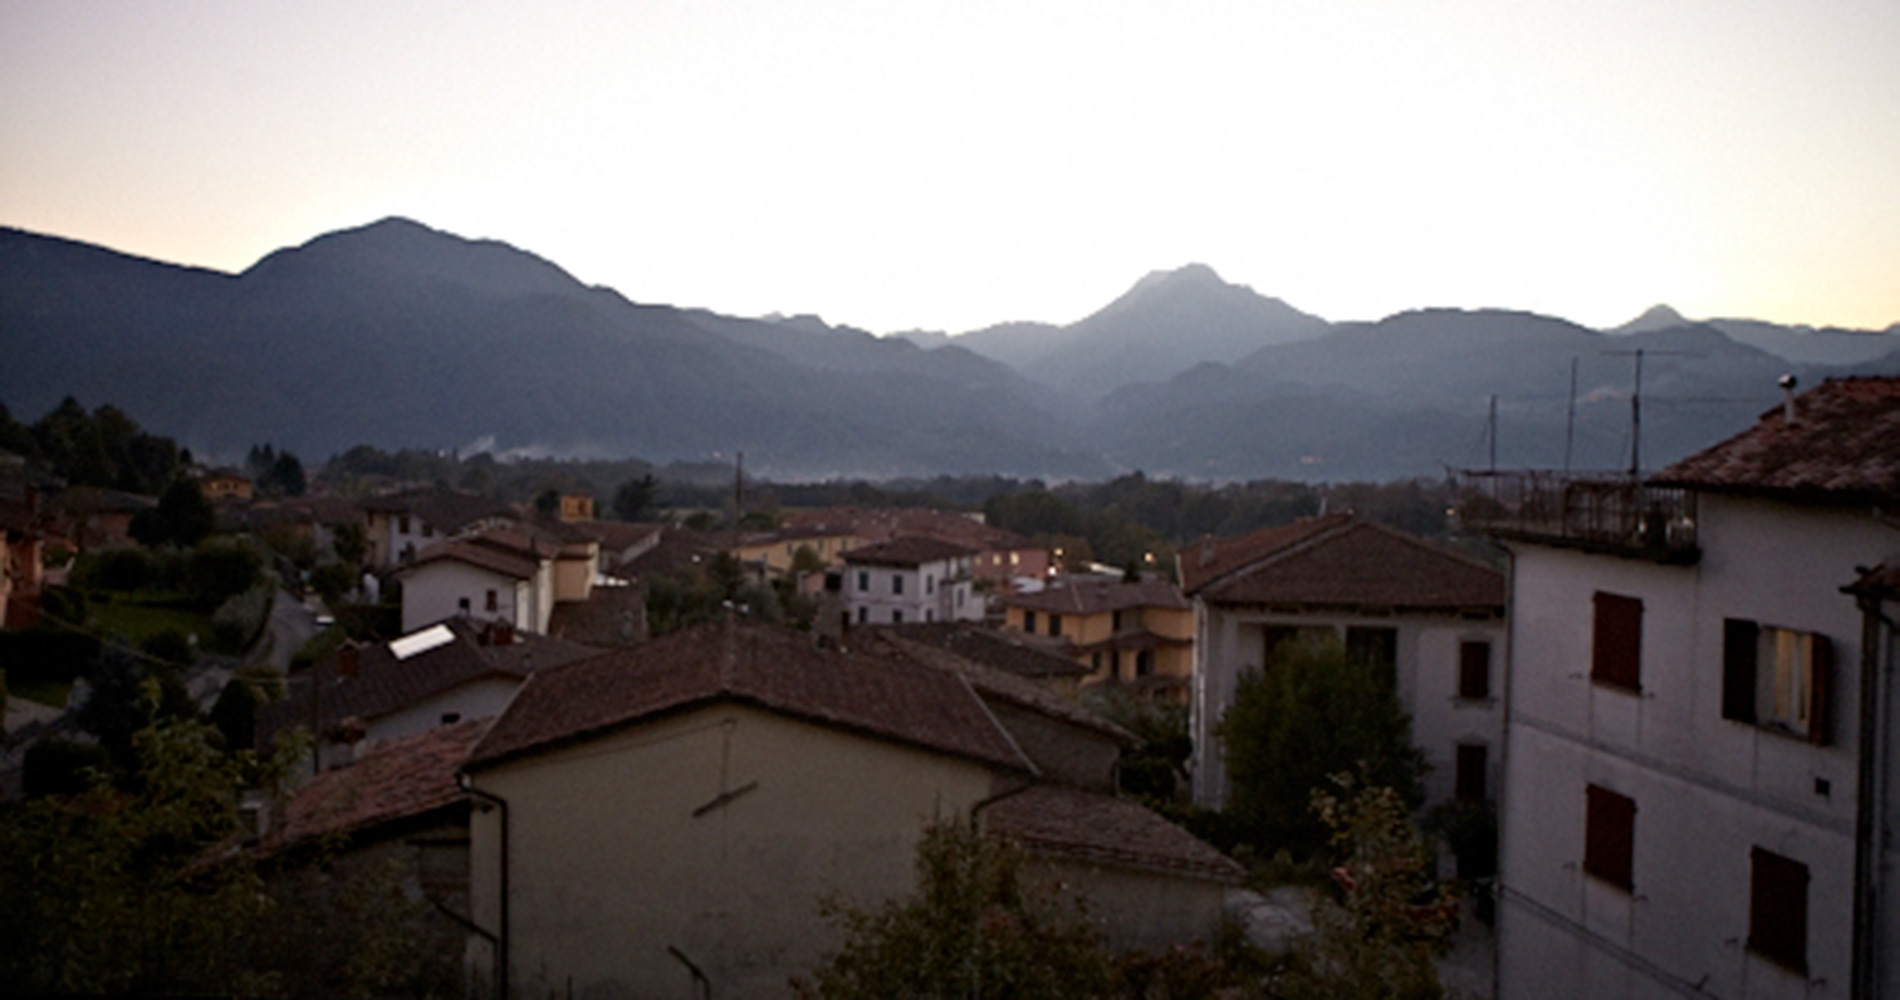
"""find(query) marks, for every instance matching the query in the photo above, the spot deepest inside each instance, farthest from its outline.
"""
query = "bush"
(122, 569)
(219, 570)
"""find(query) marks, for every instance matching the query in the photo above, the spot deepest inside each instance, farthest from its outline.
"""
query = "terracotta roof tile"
(910, 550)
(883, 524)
(772, 668)
(1212, 558)
(1342, 560)
(497, 559)
(1094, 597)
(1029, 657)
(1844, 444)
(990, 682)
(384, 684)
(1091, 827)
(395, 780)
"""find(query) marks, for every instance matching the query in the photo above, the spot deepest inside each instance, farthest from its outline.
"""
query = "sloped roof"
(445, 510)
(1844, 444)
(384, 683)
(775, 669)
(1881, 581)
(1094, 597)
(677, 551)
(990, 682)
(909, 551)
(1029, 657)
(883, 524)
(396, 780)
(1101, 829)
(1342, 560)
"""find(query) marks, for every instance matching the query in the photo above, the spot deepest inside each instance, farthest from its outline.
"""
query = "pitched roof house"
(1431, 616)
(1699, 791)
(1137, 633)
(909, 579)
(674, 812)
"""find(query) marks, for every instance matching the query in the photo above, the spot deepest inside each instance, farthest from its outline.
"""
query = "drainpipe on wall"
(501, 939)
(1870, 797)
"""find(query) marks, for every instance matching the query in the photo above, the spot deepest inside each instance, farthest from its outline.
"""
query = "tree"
(1315, 713)
(1375, 938)
(970, 930)
(634, 498)
(351, 544)
(183, 517)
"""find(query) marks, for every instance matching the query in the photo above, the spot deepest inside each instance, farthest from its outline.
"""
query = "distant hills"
(395, 335)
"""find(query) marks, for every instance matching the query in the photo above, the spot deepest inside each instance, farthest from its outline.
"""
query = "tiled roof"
(384, 684)
(1094, 597)
(80, 500)
(612, 615)
(883, 524)
(1881, 581)
(990, 682)
(396, 780)
(771, 668)
(1341, 560)
(1844, 444)
(908, 551)
(444, 510)
(619, 536)
(1025, 656)
(496, 559)
(678, 550)
(1091, 827)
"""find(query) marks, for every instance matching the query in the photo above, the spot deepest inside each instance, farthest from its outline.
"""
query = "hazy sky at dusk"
(947, 166)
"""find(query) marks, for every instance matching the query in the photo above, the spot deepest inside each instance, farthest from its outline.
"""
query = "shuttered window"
(1777, 678)
(1609, 842)
(1616, 651)
(1778, 909)
(1474, 670)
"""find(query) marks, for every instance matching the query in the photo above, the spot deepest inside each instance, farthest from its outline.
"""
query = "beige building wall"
(1133, 909)
(713, 833)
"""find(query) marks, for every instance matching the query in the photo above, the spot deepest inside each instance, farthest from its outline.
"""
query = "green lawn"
(139, 617)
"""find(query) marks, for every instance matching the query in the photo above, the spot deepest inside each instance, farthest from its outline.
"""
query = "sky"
(897, 166)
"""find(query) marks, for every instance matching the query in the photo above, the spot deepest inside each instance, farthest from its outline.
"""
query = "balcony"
(1611, 513)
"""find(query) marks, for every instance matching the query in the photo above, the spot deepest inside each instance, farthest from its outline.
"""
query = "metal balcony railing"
(1607, 512)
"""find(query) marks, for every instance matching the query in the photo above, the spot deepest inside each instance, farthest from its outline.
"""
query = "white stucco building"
(1683, 808)
(909, 579)
(1434, 617)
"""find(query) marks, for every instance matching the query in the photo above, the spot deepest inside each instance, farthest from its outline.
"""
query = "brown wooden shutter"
(1474, 670)
(1616, 652)
(1778, 909)
(1740, 641)
(1609, 842)
(1821, 690)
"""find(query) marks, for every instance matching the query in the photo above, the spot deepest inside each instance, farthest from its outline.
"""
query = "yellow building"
(1139, 634)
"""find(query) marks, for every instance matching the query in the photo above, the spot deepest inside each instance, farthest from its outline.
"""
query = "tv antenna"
(1636, 402)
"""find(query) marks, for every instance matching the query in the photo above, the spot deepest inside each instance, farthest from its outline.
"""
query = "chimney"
(1787, 383)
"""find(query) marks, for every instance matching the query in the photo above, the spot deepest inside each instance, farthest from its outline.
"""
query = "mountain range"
(398, 335)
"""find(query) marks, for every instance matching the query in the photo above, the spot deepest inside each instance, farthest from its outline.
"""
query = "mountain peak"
(1656, 317)
(401, 247)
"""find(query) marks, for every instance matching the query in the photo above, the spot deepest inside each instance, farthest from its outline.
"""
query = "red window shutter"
(1740, 640)
(1820, 719)
(1778, 909)
(1609, 843)
(1616, 652)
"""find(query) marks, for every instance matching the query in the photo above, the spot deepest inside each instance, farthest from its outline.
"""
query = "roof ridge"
(1343, 520)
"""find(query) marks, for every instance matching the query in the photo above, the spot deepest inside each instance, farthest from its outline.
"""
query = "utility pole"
(1636, 404)
(1570, 415)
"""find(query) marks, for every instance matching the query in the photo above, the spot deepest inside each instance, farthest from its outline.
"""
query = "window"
(1609, 840)
(1776, 678)
(1116, 623)
(1029, 622)
(492, 601)
(1474, 670)
(930, 584)
(1015, 558)
(864, 615)
(428, 530)
(1145, 663)
(1376, 646)
(402, 525)
(1616, 648)
(864, 581)
(897, 616)
(1055, 624)
(929, 615)
(1778, 909)
(462, 604)
(1473, 762)
(897, 583)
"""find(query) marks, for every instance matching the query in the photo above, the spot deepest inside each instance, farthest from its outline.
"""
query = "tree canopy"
(1315, 713)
